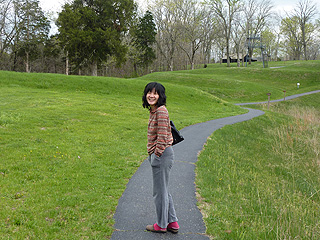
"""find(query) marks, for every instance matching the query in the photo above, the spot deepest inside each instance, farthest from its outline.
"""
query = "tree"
(144, 37)
(191, 26)
(52, 54)
(225, 11)
(166, 18)
(238, 36)
(6, 24)
(210, 31)
(304, 12)
(270, 40)
(257, 15)
(300, 31)
(292, 41)
(32, 29)
(220, 42)
(295, 39)
(6, 31)
(91, 31)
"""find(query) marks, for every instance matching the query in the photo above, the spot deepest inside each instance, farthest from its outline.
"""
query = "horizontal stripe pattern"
(159, 131)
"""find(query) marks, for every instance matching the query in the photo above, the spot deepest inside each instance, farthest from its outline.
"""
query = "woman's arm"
(163, 130)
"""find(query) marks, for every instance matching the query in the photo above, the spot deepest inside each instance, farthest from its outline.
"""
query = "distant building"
(233, 58)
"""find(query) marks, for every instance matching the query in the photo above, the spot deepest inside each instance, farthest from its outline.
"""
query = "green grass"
(70, 144)
(260, 179)
(251, 84)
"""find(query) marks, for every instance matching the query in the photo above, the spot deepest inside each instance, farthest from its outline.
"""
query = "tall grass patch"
(260, 179)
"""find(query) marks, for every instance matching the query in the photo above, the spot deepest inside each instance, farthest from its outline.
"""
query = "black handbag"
(177, 137)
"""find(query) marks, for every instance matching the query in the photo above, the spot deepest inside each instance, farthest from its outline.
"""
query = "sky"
(54, 6)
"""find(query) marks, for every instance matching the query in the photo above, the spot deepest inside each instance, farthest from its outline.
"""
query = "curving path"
(136, 209)
(279, 100)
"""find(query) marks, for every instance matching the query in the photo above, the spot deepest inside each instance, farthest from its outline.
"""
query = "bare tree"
(270, 39)
(314, 50)
(292, 37)
(305, 11)
(298, 29)
(257, 15)
(7, 26)
(220, 43)
(166, 19)
(209, 30)
(191, 27)
(225, 11)
(238, 36)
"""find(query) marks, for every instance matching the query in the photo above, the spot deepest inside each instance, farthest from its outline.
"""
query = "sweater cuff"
(157, 153)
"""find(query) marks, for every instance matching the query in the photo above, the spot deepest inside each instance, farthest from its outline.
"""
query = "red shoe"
(173, 227)
(156, 228)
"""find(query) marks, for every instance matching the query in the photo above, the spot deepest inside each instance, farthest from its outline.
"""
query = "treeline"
(115, 38)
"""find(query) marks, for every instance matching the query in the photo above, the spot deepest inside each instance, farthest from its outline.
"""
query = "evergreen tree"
(91, 31)
(52, 54)
(144, 37)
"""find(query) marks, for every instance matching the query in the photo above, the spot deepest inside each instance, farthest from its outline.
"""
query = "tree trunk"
(27, 62)
(238, 58)
(250, 55)
(135, 68)
(94, 69)
(192, 61)
(242, 62)
(228, 55)
(171, 64)
(67, 64)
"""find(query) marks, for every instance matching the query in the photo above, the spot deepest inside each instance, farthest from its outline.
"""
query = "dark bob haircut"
(160, 89)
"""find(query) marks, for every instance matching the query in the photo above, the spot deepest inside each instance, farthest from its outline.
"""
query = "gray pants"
(161, 167)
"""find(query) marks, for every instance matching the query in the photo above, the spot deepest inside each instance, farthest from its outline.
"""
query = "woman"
(160, 157)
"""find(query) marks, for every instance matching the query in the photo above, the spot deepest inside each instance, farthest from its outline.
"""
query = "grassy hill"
(249, 84)
(69, 144)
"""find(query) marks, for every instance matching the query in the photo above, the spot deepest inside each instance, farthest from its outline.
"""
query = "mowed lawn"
(249, 84)
(69, 145)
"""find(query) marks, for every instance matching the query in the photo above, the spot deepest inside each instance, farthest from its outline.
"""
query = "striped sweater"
(159, 131)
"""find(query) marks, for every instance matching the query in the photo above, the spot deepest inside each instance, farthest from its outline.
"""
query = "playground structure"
(256, 42)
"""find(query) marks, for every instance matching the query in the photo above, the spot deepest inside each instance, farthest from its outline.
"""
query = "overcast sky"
(55, 5)
(279, 6)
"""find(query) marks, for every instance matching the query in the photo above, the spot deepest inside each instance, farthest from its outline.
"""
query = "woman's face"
(152, 98)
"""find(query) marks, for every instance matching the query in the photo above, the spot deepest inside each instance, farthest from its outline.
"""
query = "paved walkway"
(279, 100)
(136, 208)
